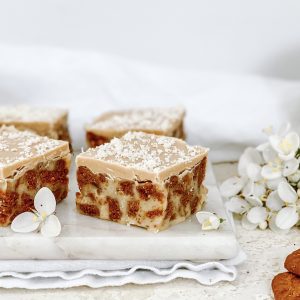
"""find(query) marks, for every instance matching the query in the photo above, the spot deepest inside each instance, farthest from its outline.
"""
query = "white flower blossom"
(209, 220)
(266, 193)
(278, 168)
(42, 217)
(285, 146)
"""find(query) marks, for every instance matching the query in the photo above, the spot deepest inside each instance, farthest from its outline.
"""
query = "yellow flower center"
(285, 145)
(43, 216)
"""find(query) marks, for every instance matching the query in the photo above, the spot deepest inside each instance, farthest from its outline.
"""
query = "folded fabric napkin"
(33, 274)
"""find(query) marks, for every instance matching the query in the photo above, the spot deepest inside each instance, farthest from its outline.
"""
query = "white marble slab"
(84, 237)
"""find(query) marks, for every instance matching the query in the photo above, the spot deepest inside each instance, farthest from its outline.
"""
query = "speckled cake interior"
(50, 122)
(142, 179)
(160, 121)
(27, 163)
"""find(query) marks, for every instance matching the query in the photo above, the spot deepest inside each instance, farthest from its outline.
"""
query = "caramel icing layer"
(22, 150)
(141, 156)
(27, 114)
(151, 120)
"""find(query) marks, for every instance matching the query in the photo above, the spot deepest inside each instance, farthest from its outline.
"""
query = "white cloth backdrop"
(225, 112)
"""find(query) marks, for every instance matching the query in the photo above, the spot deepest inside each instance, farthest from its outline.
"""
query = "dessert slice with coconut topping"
(29, 162)
(166, 121)
(142, 179)
(50, 122)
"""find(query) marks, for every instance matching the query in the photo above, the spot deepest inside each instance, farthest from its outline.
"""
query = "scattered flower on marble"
(209, 220)
(267, 191)
(42, 218)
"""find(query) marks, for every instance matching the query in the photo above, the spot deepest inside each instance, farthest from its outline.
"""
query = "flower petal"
(284, 128)
(208, 220)
(290, 167)
(203, 215)
(285, 146)
(51, 226)
(215, 222)
(253, 171)
(259, 189)
(257, 215)
(287, 218)
(287, 157)
(250, 155)
(253, 201)
(25, 222)
(246, 224)
(237, 205)
(231, 187)
(253, 191)
(274, 202)
(274, 142)
(269, 154)
(273, 184)
(271, 173)
(262, 147)
(287, 193)
(274, 227)
(294, 140)
(248, 190)
(44, 202)
(295, 177)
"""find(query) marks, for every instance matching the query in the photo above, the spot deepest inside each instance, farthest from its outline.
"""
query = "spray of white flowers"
(267, 191)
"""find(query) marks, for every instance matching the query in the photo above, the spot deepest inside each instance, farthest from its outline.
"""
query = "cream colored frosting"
(21, 150)
(142, 156)
(152, 120)
(27, 114)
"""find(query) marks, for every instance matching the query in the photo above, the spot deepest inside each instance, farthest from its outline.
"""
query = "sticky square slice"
(29, 162)
(142, 179)
(160, 121)
(50, 122)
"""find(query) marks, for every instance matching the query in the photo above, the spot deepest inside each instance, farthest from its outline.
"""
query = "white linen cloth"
(33, 274)
(225, 112)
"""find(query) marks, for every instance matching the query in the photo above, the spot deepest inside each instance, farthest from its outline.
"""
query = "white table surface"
(266, 253)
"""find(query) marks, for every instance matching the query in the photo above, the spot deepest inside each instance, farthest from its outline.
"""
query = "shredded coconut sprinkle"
(147, 152)
(18, 145)
(152, 119)
(23, 113)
